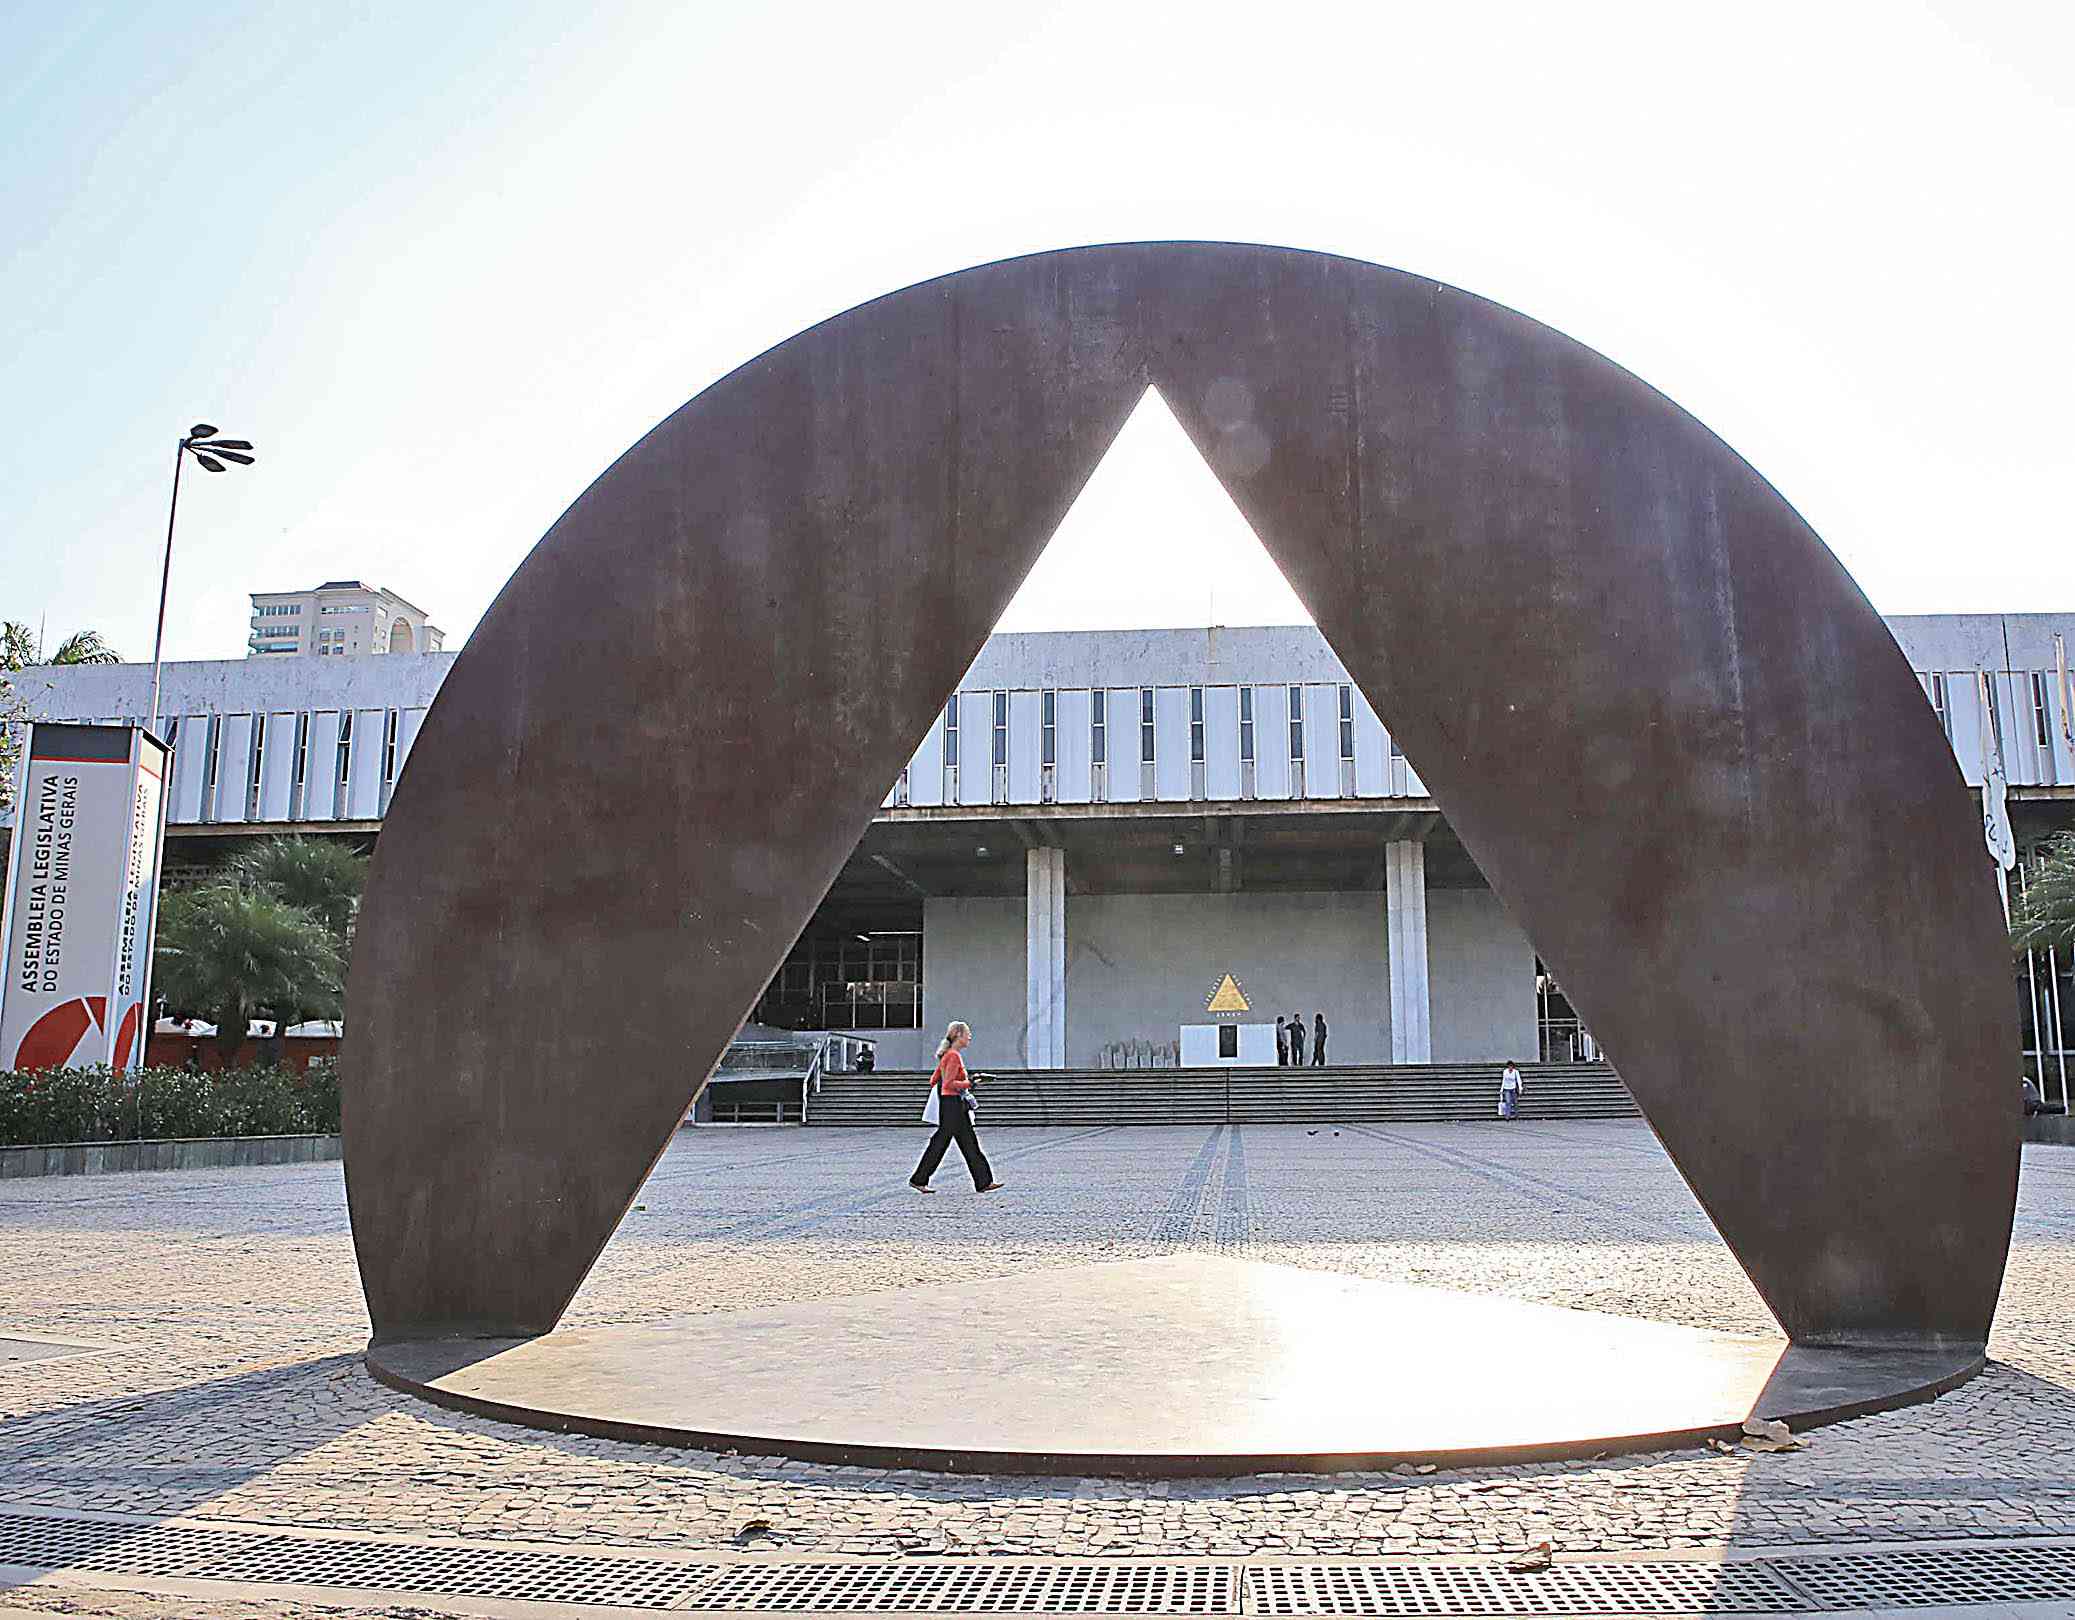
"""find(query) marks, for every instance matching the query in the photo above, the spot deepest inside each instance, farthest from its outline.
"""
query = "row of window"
(1148, 737)
(2035, 685)
(856, 981)
(1098, 739)
(2032, 691)
(315, 783)
(278, 610)
(2037, 688)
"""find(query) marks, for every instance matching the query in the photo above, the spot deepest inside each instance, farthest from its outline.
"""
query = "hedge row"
(100, 1105)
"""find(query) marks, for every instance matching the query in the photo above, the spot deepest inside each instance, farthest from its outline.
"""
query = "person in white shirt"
(1509, 1091)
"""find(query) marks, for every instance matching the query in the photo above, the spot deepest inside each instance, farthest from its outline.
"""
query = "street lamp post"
(202, 443)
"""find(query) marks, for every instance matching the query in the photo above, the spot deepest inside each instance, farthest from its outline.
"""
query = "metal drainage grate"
(2008, 1573)
(486, 1572)
(123, 1549)
(1937, 1575)
(975, 1588)
(1479, 1589)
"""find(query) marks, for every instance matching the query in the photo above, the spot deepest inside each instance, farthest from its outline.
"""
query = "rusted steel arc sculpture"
(1674, 735)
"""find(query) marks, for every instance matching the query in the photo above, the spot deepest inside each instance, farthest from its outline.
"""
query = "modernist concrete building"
(339, 618)
(1101, 827)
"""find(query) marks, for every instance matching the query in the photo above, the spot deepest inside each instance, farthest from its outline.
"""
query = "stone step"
(1349, 1095)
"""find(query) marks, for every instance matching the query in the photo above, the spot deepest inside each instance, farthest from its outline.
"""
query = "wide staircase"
(1378, 1094)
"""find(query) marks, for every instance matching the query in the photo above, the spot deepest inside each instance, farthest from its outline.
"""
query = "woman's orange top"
(950, 1076)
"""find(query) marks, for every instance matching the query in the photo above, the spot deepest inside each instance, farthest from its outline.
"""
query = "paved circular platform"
(1189, 1364)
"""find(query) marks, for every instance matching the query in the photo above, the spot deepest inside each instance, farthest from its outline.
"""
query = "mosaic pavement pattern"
(225, 1318)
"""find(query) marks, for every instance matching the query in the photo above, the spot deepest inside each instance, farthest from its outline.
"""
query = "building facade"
(340, 618)
(1101, 827)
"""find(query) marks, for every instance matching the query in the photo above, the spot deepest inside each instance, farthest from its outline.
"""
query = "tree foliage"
(85, 647)
(320, 875)
(17, 652)
(234, 954)
(19, 648)
(106, 1105)
(2044, 915)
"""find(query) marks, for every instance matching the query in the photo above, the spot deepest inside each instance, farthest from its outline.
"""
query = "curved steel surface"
(1674, 735)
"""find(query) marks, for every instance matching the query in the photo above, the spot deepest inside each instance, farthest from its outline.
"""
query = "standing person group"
(951, 1093)
(1289, 1041)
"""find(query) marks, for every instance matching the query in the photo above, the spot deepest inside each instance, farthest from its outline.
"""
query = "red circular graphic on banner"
(54, 1038)
(126, 1036)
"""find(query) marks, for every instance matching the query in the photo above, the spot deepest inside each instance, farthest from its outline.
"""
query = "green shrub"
(99, 1105)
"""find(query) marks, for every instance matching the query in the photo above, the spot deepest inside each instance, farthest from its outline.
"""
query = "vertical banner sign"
(137, 929)
(82, 897)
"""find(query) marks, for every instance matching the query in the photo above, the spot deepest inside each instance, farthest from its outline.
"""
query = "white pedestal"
(1255, 1046)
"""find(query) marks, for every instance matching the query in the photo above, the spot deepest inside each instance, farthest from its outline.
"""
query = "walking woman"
(954, 1095)
(1509, 1091)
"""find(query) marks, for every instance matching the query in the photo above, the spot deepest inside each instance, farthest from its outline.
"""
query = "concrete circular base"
(1185, 1365)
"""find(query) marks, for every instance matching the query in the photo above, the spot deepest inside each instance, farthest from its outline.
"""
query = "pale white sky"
(1199, 563)
(445, 263)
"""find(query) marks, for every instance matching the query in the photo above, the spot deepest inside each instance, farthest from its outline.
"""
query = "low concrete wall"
(189, 1153)
(2056, 1129)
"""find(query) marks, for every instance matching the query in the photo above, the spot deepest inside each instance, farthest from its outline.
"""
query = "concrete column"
(1405, 905)
(1044, 947)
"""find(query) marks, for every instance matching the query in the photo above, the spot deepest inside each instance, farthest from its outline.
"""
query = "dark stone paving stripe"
(1647, 1148)
(1520, 1181)
(1175, 1222)
(809, 1212)
(1235, 1220)
(791, 1220)
(835, 1209)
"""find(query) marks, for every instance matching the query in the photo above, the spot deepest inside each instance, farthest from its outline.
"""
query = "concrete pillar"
(1044, 947)
(1405, 905)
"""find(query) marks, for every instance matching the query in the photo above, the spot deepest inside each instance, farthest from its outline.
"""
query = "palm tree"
(322, 877)
(2044, 914)
(19, 648)
(234, 954)
(85, 647)
(17, 645)
(17, 652)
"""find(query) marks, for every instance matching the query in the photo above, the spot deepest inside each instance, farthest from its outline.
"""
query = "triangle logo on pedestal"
(1228, 998)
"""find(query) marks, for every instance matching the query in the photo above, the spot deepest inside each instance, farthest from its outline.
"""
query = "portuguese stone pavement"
(223, 1320)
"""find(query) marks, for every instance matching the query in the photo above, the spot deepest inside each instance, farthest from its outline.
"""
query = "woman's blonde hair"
(957, 1029)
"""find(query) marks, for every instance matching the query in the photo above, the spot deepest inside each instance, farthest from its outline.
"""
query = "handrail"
(810, 1082)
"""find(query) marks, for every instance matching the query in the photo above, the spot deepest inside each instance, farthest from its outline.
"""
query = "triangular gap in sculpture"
(1152, 541)
(1677, 740)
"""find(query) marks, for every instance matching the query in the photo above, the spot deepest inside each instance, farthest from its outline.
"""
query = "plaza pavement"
(226, 1384)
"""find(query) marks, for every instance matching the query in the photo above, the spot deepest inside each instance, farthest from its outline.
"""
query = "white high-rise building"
(339, 617)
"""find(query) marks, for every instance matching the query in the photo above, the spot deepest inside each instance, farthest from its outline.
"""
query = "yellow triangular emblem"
(1228, 997)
